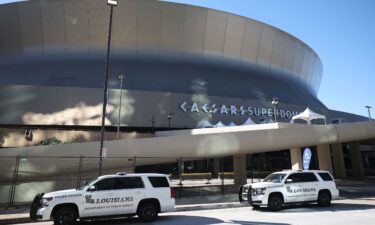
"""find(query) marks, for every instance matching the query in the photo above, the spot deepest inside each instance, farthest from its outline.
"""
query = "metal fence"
(22, 177)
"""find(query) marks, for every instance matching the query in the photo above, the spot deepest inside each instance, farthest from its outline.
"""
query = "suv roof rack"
(121, 173)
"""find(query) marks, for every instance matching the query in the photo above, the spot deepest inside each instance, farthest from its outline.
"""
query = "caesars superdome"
(190, 62)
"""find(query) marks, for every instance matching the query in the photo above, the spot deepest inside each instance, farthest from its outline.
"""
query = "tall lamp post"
(111, 3)
(275, 101)
(119, 110)
(369, 112)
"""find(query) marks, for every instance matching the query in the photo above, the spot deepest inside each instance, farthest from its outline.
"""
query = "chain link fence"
(25, 176)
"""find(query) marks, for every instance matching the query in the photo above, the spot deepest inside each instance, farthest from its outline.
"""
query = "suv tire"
(65, 216)
(324, 198)
(275, 202)
(148, 212)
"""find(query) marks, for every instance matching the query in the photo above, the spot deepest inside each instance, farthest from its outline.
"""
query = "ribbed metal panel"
(10, 30)
(234, 36)
(148, 27)
(31, 26)
(279, 50)
(124, 33)
(172, 27)
(76, 24)
(78, 29)
(53, 27)
(215, 34)
(251, 41)
(265, 46)
(97, 26)
(298, 60)
(194, 29)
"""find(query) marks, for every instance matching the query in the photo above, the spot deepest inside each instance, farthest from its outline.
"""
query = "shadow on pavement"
(165, 220)
(335, 207)
(256, 223)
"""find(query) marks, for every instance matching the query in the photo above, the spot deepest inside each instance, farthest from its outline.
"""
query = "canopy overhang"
(308, 115)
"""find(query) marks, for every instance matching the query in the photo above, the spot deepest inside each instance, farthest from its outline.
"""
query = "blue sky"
(341, 32)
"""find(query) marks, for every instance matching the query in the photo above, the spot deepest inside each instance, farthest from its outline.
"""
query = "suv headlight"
(46, 201)
(258, 191)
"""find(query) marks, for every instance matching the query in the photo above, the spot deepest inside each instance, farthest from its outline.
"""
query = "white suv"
(117, 195)
(291, 187)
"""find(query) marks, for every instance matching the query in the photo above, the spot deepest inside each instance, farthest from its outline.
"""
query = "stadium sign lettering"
(236, 110)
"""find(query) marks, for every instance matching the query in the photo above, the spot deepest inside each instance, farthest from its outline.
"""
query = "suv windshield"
(85, 183)
(275, 177)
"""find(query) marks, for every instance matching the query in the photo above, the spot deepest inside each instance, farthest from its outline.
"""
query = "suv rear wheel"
(65, 216)
(324, 198)
(275, 202)
(148, 212)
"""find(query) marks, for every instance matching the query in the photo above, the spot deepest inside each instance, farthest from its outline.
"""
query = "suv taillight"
(172, 192)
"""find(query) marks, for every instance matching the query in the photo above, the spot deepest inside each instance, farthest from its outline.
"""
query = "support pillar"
(296, 159)
(239, 169)
(324, 157)
(216, 168)
(338, 161)
(356, 157)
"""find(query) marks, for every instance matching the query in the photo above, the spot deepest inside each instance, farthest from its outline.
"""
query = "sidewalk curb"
(183, 208)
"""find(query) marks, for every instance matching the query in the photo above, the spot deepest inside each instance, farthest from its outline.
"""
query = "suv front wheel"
(275, 202)
(148, 212)
(65, 216)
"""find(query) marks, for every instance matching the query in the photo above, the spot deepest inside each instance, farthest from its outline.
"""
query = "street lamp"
(369, 112)
(275, 101)
(111, 3)
(169, 120)
(119, 110)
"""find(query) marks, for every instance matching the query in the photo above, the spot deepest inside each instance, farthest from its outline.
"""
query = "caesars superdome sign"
(241, 110)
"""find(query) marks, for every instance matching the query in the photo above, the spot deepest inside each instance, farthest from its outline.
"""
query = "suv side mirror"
(288, 181)
(91, 189)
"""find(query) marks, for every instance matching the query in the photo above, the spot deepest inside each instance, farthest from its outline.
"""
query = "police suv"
(117, 195)
(291, 187)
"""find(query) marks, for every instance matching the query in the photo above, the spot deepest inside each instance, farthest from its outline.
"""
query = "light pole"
(369, 112)
(111, 3)
(169, 120)
(275, 101)
(119, 110)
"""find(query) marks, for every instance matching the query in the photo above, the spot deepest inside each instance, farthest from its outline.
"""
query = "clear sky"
(342, 32)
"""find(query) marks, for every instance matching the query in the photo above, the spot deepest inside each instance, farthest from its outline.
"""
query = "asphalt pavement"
(356, 206)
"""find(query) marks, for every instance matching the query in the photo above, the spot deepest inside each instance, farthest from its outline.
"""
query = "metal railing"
(23, 177)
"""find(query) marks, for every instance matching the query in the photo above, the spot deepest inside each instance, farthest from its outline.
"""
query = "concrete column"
(324, 157)
(216, 167)
(296, 159)
(239, 169)
(338, 161)
(355, 155)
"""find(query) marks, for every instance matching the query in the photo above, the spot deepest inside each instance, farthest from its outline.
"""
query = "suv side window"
(325, 176)
(158, 182)
(302, 177)
(128, 183)
(308, 177)
(295, 177)
(105, 184)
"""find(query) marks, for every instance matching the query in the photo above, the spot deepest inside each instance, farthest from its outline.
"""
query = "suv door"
(96, 199)
(300, 187)
(113, 196)
(129, 192)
